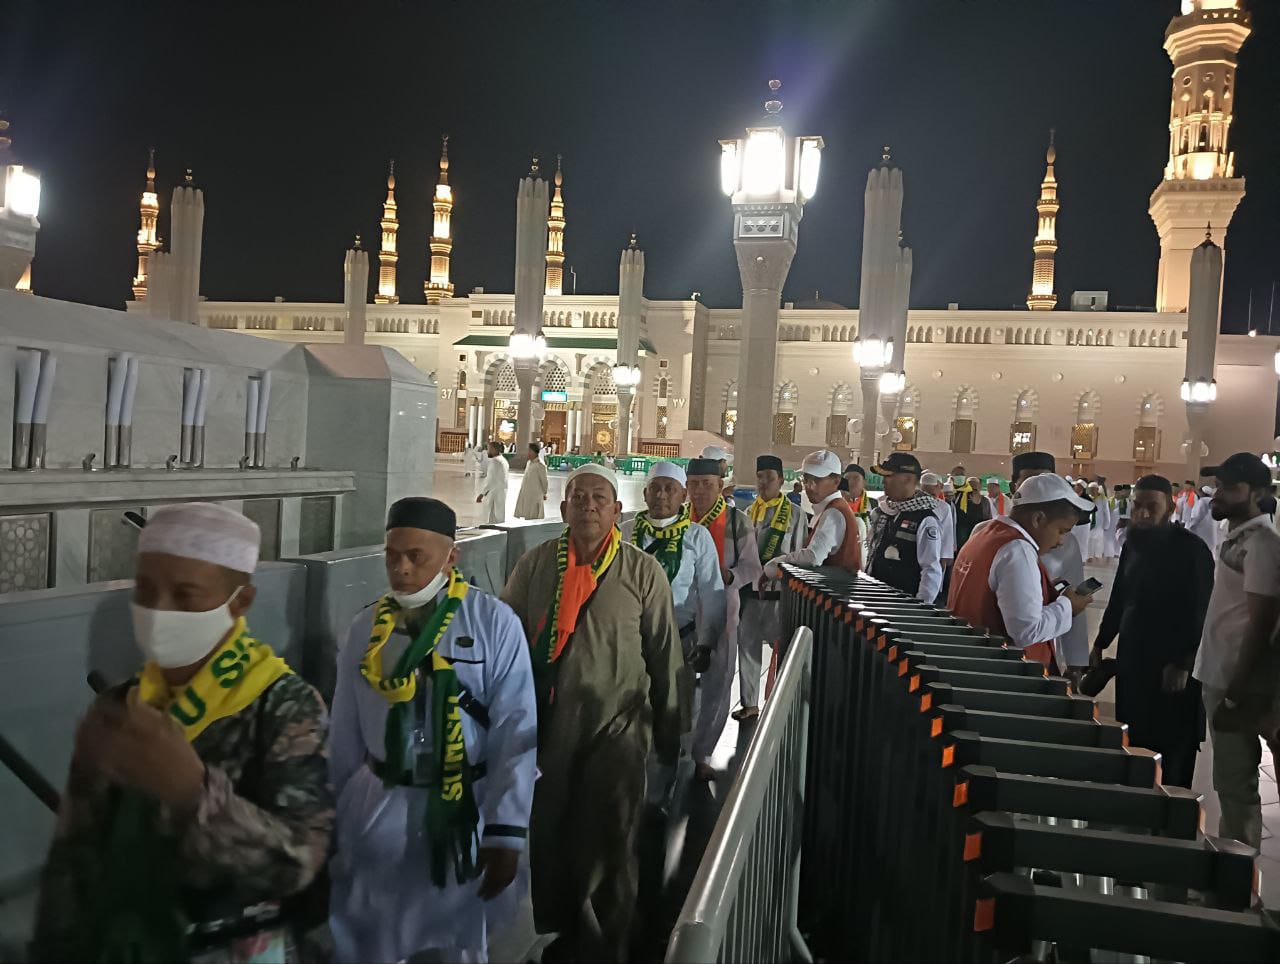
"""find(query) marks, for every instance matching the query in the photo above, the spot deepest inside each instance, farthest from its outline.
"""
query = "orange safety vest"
(971, 597)
(847, 555)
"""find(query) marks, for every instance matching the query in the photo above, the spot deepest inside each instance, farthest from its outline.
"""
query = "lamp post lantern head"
(19, 207)
(766, 166)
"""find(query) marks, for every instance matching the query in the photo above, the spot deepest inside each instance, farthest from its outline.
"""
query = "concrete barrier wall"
(51, 639)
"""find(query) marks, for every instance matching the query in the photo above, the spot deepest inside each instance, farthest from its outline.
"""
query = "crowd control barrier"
(962, 805)
(742, 904)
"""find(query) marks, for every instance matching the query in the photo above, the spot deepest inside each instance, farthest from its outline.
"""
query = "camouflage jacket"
(260, 833)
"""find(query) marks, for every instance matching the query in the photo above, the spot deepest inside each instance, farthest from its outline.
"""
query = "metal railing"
(742, 904)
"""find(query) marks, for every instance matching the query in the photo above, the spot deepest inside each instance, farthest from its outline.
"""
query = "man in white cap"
(833, 533)
(198, 789)
(999, 583)
(688, 556)
(1101, 520)
(606, 655)
(433, 753)
(735, 541)
(493, 488)
(780, 528)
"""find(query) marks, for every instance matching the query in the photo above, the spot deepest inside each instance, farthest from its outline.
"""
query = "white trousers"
(761, 623)
(715, 692)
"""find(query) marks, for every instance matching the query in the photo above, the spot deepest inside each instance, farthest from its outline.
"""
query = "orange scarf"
(715, 525)
(999, 501)
(577, 584)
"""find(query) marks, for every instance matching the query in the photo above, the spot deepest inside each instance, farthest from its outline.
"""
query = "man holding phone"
(1157, 608)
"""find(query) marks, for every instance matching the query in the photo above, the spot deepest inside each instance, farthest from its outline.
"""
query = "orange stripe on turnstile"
(972, 846)
(935, 726)
(892, 655)
(880, 644)
(948, 755)
(902, 668)
(984, 914)
(926, 701)
(848, 616)
(960, 795)
(914, 683)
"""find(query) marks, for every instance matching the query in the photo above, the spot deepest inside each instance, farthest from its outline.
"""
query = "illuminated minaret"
(555, 239)
(1199, 181)
(147, 241)
(438, 285)
(1045, 245)
(387, 257)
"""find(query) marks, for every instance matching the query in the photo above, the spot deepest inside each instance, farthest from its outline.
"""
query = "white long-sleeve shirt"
(1015, 579)
(929, 556)
(827, 530)
(946, 514)
(697, 589)
(496, 474)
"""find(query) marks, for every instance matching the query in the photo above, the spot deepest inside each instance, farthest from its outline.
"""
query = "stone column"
(531, 245)
(622, 439)
(630, 323)
(355, 276)
(1203, 314)
(763, 265)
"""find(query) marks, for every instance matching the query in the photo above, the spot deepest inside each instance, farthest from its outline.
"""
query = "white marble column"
(531, 245)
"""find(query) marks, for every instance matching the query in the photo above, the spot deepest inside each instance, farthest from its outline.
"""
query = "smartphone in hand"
(1088, 587)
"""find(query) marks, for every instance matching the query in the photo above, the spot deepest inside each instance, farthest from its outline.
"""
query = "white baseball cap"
(1049, 488)
(822, 463)
(930, 478)
(666, 470)
(593, 468)
(715, 452)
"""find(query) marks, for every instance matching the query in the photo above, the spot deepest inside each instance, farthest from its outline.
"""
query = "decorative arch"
(553, 376)
(842, 396)
(1026, 405)
(786, 398)
(730, 393)
(598, 380)
(965, 402)
(1150, 409)
(909, 401)
(1088, 406)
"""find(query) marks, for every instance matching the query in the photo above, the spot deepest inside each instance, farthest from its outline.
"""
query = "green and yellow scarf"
(138, 913)
(451, 808)
(667, 544)
(777, 527)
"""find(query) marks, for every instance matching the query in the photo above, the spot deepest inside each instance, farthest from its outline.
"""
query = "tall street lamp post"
(768, 176)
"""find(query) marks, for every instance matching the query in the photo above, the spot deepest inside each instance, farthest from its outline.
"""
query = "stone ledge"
(66, 488)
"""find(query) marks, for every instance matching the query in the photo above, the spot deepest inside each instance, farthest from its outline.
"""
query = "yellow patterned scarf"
(757, 513)
(239, 672)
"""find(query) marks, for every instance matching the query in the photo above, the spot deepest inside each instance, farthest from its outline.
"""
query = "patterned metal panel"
(266, 512)
(113, 544)
(24, 551)
(315, 525)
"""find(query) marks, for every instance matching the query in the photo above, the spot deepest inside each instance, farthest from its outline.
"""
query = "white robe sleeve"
(748, 568)
(929, 556)
(512, 739)
(346, 743)
(1015, 579)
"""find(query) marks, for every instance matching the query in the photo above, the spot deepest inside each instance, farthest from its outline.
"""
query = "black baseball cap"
(855, 467)
(1241, 467)
(898, 462)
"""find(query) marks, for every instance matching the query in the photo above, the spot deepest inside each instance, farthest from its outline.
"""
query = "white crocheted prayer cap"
(715, 452)
(204, 531)
(666, 470)
(593, 468)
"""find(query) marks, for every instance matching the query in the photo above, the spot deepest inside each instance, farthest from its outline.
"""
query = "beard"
(1145, 537)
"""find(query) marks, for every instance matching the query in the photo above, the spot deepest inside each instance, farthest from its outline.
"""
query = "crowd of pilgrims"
(481, 749)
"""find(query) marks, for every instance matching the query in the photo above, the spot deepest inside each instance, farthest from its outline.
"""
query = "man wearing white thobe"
(1201, 522)
(533, 487)
(385, 904)
(493, 490)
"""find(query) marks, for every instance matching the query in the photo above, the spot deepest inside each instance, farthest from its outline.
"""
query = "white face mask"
(412, 600)
(171, 639)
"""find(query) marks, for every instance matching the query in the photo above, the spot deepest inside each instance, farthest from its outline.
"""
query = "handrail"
(733, 910)
(31, 778)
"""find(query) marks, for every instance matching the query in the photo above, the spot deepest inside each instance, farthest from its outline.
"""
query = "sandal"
(746, 713)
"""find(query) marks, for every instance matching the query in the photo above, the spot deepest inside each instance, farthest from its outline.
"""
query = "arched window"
(964, 426)
(842, 396)
(784, 419)
(729, 411)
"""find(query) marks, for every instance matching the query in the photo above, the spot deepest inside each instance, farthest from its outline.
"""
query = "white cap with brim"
(930, 478)
(593, 468)
(822, 463)
(1040, 489)
(666, 470)
(205, 532)
(715, 452)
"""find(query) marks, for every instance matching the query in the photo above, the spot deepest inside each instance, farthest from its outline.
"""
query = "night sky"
(288, 116)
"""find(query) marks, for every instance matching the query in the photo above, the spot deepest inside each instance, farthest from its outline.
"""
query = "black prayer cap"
(419, 512)
(768, 463)
(1154, 483)
(1034, 462)
(703, 467)
(855, 467)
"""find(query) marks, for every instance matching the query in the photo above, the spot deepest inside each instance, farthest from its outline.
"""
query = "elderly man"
(198, 788)
(432, 752)
(905, 550)
(1000, 584)
(780, 529)
(1157, 608)
(833, 532)
(493, 488)
(997, 501)
(934, 485)
(688, 556)
(721, 457)
(606, 659)
(735, 539)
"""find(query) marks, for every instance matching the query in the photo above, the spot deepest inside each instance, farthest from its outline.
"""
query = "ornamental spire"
(555, 237)
(149, 212)
(438, 285)
(388, 257)
(1045, 245)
